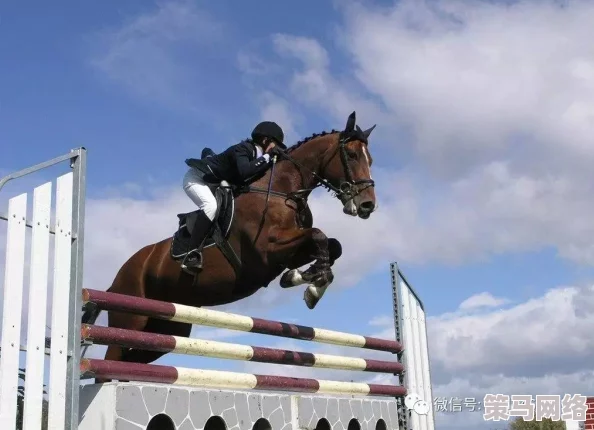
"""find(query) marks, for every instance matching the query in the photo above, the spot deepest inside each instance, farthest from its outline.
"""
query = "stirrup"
(195, 254)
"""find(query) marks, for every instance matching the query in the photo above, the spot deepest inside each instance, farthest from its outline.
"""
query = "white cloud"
(275, 108)
(312, 83)
(148, 55)
(477, 76)
(482, 300)
(545, 334)
(308, 50)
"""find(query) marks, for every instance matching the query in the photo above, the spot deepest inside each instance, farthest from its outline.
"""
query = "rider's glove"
(266, 157)
(276, 151)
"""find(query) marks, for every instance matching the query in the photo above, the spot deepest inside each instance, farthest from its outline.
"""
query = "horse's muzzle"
(363, 209)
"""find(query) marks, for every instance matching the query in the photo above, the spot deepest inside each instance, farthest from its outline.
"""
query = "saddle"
(219, 231)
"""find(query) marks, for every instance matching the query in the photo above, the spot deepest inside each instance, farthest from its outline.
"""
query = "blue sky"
(50, 80)
(482, 153)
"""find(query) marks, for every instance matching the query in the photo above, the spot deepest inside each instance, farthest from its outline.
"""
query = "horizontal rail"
(27, 171)
(231, 351)
(28, 223)
(192, 315)
(231, 380)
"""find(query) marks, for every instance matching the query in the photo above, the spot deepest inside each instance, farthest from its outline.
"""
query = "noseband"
(348, 188)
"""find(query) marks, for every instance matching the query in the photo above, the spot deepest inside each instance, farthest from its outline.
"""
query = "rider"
(240, 164)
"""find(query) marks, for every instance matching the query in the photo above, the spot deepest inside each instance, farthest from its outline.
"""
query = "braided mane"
(301, 142)
(307, 139)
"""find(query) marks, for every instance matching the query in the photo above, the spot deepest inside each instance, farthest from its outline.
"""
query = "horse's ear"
(368, 131)
(350, 125)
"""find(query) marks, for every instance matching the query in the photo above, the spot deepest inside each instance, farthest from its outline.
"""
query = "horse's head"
(347, 166)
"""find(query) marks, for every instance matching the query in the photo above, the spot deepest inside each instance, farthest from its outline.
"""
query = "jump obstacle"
(167, 397)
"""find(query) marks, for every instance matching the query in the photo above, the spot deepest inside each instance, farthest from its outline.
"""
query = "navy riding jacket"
(238, 164)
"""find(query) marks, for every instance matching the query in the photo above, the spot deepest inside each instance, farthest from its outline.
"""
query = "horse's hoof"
(310, 300)
(291, 278)
(313, 295)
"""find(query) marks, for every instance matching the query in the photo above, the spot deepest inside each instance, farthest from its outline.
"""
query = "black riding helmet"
(271, 130)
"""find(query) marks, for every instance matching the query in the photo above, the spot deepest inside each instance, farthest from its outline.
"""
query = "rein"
(268, 193)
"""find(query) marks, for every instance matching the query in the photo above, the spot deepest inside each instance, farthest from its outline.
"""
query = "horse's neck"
(291, 178)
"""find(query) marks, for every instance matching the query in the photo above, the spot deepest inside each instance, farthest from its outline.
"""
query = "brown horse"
(272, 232)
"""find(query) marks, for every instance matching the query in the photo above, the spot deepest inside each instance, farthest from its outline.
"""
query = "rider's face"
(270, 145)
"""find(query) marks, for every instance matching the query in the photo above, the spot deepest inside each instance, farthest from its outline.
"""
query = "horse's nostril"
(368, 206)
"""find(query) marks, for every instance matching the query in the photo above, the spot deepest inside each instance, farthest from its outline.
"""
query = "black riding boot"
(201, 228)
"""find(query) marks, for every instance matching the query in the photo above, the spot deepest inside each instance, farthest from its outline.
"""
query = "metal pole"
(79, 165)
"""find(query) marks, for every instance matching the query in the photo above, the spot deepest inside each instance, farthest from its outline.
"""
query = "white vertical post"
(411, 329)
(427, 387)
(415, 336)
(38, 285)
(11, 314)
(60, 311)
(411, 350)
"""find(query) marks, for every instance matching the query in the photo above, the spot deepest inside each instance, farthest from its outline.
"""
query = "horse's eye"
(352, 155)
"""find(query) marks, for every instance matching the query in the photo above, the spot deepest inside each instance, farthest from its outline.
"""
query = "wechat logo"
(415, 403)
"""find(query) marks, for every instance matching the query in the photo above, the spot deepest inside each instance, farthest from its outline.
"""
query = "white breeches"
(199, 192)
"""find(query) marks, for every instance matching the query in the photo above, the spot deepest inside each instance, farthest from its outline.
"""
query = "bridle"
(349, 185)
(346, 190)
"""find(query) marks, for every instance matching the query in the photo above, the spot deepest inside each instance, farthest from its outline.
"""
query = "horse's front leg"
(295, 248)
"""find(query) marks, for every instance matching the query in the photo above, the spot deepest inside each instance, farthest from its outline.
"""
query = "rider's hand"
(276, 150)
